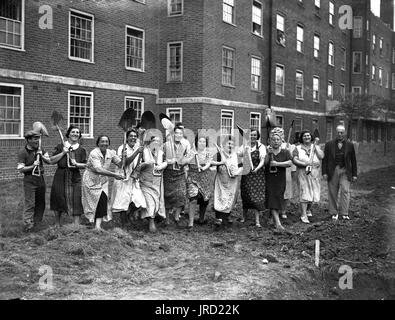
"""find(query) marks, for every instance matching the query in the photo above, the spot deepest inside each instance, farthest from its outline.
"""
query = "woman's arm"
(284, 164)
(320, 153)
(130, 159)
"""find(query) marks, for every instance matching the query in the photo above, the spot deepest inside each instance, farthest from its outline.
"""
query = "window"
(316, 88)
(357, 62)
(298, 124)
(81, 111)
(12, 24)
(331, 54)
(387, 80)
(255, 121)
(356, 90)
(329, 130)
(381, 46)
(228, 66)
(134, 49)
(380, 77)
(357, 29)
(11, 110)
(330, 89)
(367, 61)
(226, 122)
(257, 18)
(373, 72)
(137, 104)
(256, 73)
(393, 55)
(81, 41)
(342, 91)
(299, 38)
(317, 3)
(316, 46)
(344, 59)
(393, 81)
(279, 121)
(299, 84)
(280, 78)
(280, 30)
(374, 42)
(331, 12)
(228, 13)
(175, 114)
(175, 7)
(174, 61)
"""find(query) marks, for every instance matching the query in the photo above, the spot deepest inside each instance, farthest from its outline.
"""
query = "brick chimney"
(387, 12)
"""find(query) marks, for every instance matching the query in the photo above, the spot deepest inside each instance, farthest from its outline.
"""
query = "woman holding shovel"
(70, 157)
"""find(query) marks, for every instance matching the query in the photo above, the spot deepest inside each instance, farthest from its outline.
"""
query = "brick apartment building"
(207, 63)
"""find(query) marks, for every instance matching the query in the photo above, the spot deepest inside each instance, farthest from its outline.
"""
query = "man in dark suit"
(339, 168)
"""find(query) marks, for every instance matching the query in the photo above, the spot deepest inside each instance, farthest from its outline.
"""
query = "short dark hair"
(102, 136)
(71, 128)
(197, 138)
(130, 131)
(178, 127)
(257, 132)
(303, 133)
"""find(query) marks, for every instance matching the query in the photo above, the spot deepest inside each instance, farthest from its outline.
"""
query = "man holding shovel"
(29, 158)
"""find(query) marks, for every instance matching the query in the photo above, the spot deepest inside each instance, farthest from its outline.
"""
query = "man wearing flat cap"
(33, 185)
(339, 168)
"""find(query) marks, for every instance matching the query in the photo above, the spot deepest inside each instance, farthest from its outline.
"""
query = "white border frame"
(134, 98)
(355, 87)
(334, 53)
(331, 15)
(302, 97)
(260, 68)
(90, 136)
(233, 120)
(333, 89)
(344, 58)
(252, 22)
(234, 14)
(93, 36)
(21, 131)
(342, 85)
(362, 28)
(260, 119)
(353, 59)
(275, 83)
(174, 15)
(319, 88)
(234, 67)
(22, 48)
(168, 62)
(174, 108)
(126, 50)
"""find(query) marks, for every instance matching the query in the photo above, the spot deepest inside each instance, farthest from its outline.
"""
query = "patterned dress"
(95, 186)
(66, 184)
(253, 184)
(199, 183)
(276, 182)
(309, 185)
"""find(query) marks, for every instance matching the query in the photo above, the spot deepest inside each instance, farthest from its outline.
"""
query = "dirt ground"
(205, 264)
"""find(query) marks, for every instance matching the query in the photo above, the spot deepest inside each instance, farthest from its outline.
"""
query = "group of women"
(154, 180)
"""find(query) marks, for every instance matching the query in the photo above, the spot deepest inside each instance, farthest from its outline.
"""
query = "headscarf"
(280, 132)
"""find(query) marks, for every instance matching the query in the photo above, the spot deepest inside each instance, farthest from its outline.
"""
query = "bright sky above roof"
(375, 6)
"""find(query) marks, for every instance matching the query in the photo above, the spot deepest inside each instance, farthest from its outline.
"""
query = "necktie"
(339, 145)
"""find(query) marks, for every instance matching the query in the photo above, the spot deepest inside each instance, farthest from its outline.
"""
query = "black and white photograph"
(199, 154)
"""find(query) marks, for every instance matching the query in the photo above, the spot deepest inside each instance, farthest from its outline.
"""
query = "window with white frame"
(381, 46)
(298, 124)
(357, 28)
(380, 77)
(393, 81)
(279, 121)
(342, 91)
(299, 83)
(228, 11)
(11, 110)
(174, 61)
(228, 66)
(373, 42)
(357, 62)
(257, 18)
(137, 104)
(175, 114)
(299, 38)
(81, 41)
(331, 12)
(256, 73)
(280, 78)
(280, 26)
(316, 46)
(331, 54)
(255, 121)
(373, 72)
(316, 88)
(81, 111)
(329, 130)
(330, 89)
(344, 59)
(12, 24)
(175, 7)
(367, 61)
(356, 90)
(227, 122)
(135, 49)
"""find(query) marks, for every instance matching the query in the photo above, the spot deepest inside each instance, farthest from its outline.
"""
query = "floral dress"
(199, 183)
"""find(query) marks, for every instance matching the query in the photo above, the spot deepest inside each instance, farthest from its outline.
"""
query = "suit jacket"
(329, 163)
